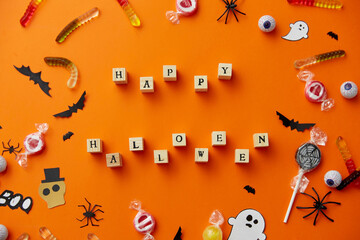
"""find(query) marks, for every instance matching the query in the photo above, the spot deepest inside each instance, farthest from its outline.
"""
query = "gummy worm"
(318, 58)
(33, 5)
(134, 19)
(66, 63)
(332, 4)
(77, 22)
(349, 179)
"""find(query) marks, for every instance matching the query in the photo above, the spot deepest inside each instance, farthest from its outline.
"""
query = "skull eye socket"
(46, 191)
(56, 188)
(256, 221)
(249, 218)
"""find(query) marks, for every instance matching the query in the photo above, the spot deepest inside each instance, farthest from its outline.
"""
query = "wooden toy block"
(218, 138)
(94, 145)
(201, 83)
(201, 155)
(261, 140)
(136, 144)
(179, 139)
(161, 156)
(169, 72)
(120, 76)
(241, 155)
(113, 160)
(225, 71)
(147, 84)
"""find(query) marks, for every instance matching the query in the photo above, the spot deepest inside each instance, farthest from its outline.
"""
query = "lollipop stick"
(301, 173)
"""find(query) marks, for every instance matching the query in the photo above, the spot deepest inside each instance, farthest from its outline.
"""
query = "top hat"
(52, 175)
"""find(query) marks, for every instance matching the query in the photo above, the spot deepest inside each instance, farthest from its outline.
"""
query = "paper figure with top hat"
(52, 189)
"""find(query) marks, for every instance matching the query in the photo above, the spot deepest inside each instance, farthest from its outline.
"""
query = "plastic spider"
(230, 6)
(318, 205)
(11, 149)
(90, 214)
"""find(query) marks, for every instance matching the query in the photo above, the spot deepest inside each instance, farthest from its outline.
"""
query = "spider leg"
(87, 223)
(83, 207)
(317, 214)
(222, 14)
(309, 214)
(305, 207)
(5, 151)
(9, 142)
(239, 11)
(92, 224)
(309, 196)
(332, 202)
(234, 14)
(81, 219)
(89, 204)
(332, 220)
(98, 210)
(227, 15)
(318, 194)
(98, 219)
(325, 196)
(18, 150)
(226, 2)
(92, 210)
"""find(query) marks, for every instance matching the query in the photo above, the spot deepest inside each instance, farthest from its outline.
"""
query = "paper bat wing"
(73, 108)
(35, 77)
(80, 103)
(178, 234)
(303, 126)
(285, 120)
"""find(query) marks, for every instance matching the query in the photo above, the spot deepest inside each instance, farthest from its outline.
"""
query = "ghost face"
(53, 193)
(249, 224)
(299, 30)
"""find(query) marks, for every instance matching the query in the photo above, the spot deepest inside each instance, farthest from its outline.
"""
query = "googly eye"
(349, 90)
(46, 191)
(267, 23)
(332, 178)
(56, 188)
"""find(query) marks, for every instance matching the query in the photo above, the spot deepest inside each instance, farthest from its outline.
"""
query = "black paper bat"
(249, 189)
(36, 77)
(300, 127)
(333, 35)
(178, 234)
(73, 108)
(67, 135)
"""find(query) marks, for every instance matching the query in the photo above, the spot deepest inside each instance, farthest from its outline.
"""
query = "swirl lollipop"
(308, 157)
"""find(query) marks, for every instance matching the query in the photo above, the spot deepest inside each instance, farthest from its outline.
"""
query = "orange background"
(180, 193)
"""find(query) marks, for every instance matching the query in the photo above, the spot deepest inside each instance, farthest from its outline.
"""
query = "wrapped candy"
(183, 7)
(308, 157)
(213, 232)
(315, 91)
(33, 143)
(144, 222)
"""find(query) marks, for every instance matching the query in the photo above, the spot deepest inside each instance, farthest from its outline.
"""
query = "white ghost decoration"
(248, 225)
(299, 30)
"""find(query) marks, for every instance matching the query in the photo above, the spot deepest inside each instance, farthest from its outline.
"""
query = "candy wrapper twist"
(308, 157)
(213, 232)
(144, 222)
(315, 91)
(33, 143)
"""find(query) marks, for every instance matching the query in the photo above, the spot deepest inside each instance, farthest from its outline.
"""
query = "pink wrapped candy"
(33, 143)
(183, 7)
(144, 222)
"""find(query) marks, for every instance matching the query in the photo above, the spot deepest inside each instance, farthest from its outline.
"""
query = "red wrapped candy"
(315, 91)
(33, 143)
